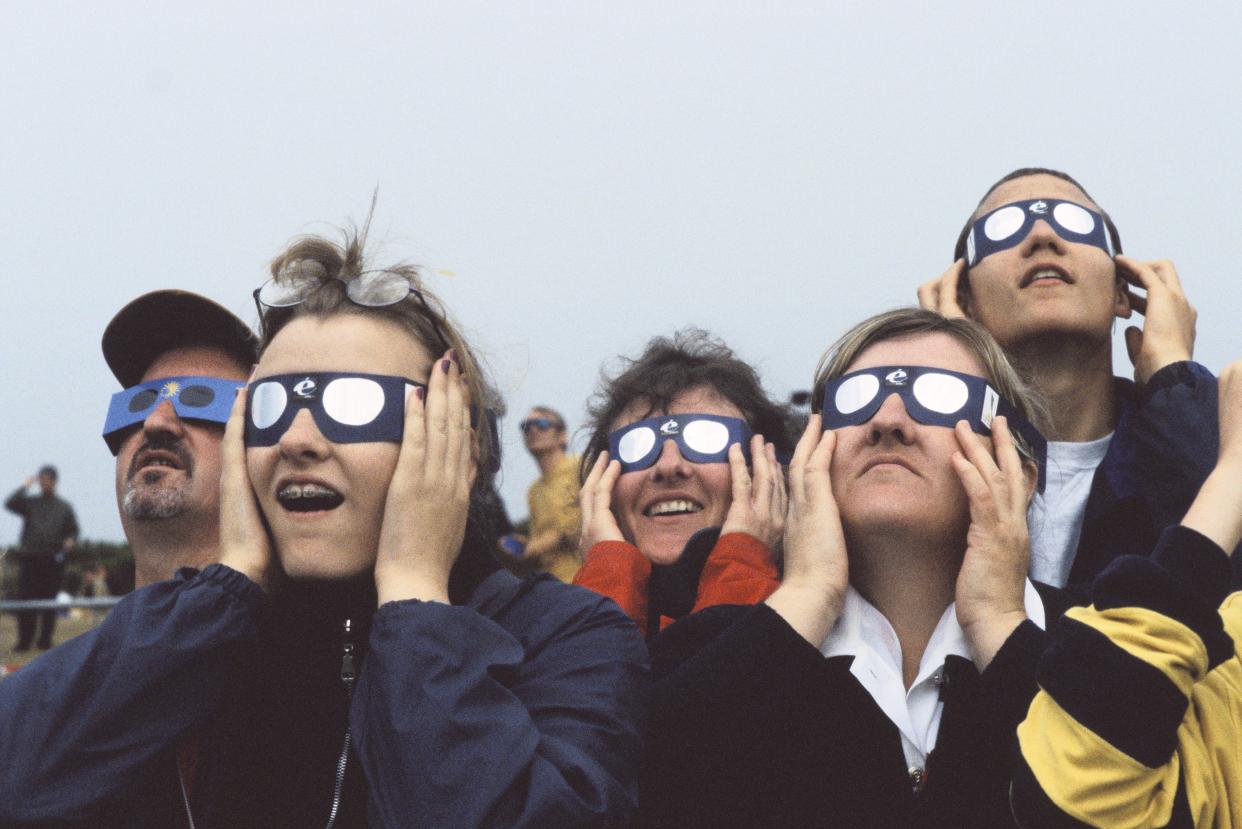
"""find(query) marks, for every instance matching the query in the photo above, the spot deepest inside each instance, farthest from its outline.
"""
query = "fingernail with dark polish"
(444, 365)
(453, 354)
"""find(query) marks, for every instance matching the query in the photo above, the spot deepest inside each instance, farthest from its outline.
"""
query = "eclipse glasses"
(193, 398)
(1006, 227)
(932, 396)
(701, 438)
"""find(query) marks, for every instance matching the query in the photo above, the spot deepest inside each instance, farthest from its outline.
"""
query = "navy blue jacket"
(520, 708)
(1164, 445)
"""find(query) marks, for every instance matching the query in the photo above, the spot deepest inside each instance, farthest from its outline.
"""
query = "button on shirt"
(863, 633)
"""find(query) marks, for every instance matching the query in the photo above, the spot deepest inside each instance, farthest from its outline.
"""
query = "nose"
(891, 423)
(670, 465)
(1042, 238)
(302, 442)
(163, 421)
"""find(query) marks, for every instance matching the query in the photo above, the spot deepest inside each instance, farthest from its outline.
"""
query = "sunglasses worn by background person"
(932, 396)
(207, 399)
(1006, 227)
(543, 424)
(701, 438)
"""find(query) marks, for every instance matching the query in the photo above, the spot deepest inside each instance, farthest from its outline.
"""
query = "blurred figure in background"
(49, 532)
(552, 544)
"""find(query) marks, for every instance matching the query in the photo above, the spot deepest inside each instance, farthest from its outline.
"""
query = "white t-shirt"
(1055, 516)
(863, 633)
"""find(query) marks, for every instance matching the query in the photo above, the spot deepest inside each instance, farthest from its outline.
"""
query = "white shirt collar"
(865, 634)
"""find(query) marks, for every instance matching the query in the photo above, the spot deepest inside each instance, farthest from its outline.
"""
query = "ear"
(1030, 478)
(963, 294)
(1121, 298)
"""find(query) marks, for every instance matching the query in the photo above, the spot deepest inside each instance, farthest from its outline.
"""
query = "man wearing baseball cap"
(178, 357)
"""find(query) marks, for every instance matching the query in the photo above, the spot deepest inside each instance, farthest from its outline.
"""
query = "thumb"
(1134, 342)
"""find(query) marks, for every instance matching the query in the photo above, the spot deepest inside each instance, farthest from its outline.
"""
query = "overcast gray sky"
(594, 174)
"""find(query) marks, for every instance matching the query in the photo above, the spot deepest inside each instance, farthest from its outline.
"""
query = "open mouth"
(152, 463)
(1039, 274)
(677, 506)
(309, 498)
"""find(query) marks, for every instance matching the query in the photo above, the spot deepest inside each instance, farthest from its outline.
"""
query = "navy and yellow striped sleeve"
(1103, 743)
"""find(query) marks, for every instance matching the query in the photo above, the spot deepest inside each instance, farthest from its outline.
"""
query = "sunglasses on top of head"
(701, 438)
(932, 396)
(1006, 227)
(370, 289)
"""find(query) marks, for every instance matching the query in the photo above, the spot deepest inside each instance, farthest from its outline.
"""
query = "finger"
(466, 454)
(1137, 301)
(741, 484)
(974, 451)
(1010, 462)
(948, 306)
(414, 435)
(977, 492)
(780, 498)
(234, 478)
(1164, 269)
(929, 294)
(761, 475)
(586, 495)
(802, 453)
(455, 416)
(603, 492)
(1138, 273)
(1134, 342)
(817, 475)
(436, 412)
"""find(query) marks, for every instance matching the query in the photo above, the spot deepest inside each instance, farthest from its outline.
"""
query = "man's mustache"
(172, 446)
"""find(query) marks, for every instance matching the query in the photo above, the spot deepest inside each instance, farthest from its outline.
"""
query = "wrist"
(987, 633)
(400, 584)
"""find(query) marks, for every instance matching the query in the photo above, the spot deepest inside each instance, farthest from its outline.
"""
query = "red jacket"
(740, 569)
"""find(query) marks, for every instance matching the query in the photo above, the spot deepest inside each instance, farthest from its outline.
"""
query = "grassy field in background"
(78, 622)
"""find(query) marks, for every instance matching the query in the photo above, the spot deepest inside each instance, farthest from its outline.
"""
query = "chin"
(318, 562)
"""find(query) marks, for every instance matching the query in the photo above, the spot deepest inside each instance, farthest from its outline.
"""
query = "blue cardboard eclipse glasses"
(932, 396)
(1006, 227)
(701, 438)
(193, 398)
(347, 408)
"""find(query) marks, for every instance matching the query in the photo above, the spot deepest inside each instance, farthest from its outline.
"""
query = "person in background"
(555, 520)
(1139, 720)
(685, 502)
(1039, 265)
(49, 532)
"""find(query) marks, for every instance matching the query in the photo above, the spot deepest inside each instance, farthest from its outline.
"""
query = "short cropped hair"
(959, 250)
(905, 322)
(669, 367)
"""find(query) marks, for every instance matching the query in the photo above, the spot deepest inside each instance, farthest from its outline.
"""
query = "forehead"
(346, 343)
(936, 350)
(696, 400)
(1041, 186)
(196, 360)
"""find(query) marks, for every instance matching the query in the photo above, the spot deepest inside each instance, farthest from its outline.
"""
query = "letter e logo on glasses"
(305, 389)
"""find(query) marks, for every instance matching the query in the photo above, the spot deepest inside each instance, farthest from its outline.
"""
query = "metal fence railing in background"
(7, 606)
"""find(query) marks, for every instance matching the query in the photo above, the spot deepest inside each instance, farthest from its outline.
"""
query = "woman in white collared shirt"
(881, 683)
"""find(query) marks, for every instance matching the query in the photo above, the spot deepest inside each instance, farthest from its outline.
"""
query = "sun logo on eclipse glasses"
(171, 388)
(669, 427)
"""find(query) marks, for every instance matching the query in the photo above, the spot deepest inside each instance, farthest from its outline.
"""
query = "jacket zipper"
(349, 673)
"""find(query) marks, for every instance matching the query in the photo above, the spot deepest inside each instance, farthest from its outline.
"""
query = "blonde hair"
(906, 322)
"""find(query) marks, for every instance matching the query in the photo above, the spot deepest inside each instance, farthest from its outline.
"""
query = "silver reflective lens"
(635, 444)
(353, 401)
(856, 392)
(378, 288)
(706, 436)
(290, 291)
(941, 393)
(1074, 218)
(267, 404)
(1004, 223)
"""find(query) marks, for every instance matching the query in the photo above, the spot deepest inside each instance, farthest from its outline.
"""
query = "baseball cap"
(163, 320)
